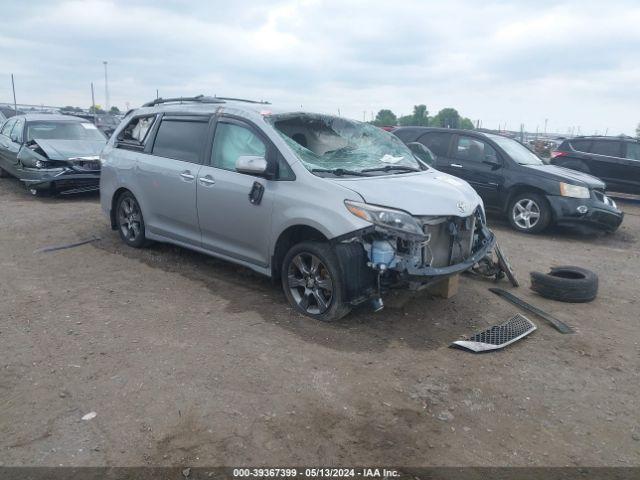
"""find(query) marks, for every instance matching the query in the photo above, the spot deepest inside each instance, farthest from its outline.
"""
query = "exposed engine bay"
(448, 245)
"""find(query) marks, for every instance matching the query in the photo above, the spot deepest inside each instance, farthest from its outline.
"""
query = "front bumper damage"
(447, 246)
(65, 180)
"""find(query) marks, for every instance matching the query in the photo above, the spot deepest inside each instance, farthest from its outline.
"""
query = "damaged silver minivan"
(339, 211)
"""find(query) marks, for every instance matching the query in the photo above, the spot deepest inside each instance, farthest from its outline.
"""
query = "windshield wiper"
(340, 172)
(389, 168)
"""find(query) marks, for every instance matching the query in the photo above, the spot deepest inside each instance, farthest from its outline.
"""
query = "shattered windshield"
(333, 145)
(49, 130)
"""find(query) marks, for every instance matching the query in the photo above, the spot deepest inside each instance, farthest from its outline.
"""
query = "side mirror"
(422, 152)
(494, 163)
(251, 164)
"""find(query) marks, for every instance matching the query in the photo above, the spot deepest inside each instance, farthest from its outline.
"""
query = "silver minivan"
(338, 210)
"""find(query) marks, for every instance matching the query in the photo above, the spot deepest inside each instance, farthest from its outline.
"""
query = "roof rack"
(202, 99)
(197, 98)
(231, 99)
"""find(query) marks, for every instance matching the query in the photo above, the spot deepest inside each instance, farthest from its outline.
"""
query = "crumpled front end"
(72, 175)
(446, 246)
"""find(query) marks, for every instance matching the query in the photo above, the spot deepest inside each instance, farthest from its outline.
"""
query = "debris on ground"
(89, 416)
(498, 336)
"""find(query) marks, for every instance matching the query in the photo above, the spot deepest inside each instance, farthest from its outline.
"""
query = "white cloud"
(572, 62)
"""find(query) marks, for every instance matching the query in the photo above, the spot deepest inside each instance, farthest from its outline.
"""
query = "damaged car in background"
(339, 211)
(51, 153)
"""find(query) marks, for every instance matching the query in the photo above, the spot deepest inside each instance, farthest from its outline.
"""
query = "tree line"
(445, 118)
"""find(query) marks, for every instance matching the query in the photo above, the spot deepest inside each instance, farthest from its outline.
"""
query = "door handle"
(187, 175)
(457, 165)
(207, 180)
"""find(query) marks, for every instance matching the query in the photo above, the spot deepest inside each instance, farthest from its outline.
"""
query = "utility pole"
(545, 126)
(106, 88)
(13, 86)
(93, 103)
(157, 94)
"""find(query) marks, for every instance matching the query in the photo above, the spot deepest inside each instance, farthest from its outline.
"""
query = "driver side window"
(473, 150)
(232, 141)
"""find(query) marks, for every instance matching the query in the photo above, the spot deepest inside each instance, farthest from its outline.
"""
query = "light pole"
(106, 88)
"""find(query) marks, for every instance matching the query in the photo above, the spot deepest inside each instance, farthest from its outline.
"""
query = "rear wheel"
(529, 212)
(129, 221)
(313, 283)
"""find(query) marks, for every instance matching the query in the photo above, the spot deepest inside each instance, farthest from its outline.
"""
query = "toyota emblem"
(461, 207)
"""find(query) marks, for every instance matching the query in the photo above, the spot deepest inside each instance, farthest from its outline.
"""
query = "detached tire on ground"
(566, 284)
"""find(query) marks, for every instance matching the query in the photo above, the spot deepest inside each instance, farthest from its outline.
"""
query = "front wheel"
(529, 213)
(313, 283)
(129, 221)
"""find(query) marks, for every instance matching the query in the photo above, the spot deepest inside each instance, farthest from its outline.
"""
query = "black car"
(51, 153)
(615, 160)
(512, 180)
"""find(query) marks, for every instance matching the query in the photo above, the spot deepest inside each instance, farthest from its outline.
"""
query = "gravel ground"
(186, 359)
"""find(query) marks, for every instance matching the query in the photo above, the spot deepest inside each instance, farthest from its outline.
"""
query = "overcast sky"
(575, 63)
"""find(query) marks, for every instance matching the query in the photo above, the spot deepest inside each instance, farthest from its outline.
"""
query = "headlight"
(385, 217)
(574, 191)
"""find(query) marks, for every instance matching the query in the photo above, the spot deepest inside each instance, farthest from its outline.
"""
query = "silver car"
(339, 211)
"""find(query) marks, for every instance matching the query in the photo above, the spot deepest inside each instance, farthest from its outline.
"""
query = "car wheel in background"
(529, 212)
(312, 281)
(130, 221)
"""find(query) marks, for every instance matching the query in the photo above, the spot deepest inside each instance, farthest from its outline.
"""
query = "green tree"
(385, 117)
(98, 109)
(466, 123)
(419, 117)
(114, 110)
(446, 118)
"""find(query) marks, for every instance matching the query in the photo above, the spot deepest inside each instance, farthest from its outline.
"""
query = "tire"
(129, 221)
(566, 284)
(529, 212)
(313, 283)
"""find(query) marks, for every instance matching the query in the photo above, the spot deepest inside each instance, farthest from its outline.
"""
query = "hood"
(567, 175)
(425, 193)
(65, 149)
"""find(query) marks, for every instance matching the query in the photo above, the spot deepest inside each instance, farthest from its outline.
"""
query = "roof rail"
(197, 98)
(231, 99)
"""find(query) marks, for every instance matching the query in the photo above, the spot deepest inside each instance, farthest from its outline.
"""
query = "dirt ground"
(188, 360)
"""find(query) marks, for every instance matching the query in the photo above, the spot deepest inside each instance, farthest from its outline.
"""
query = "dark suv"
(512, 180)
(615, 160)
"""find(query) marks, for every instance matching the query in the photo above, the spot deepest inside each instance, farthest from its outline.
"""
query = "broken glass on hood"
(336, 146)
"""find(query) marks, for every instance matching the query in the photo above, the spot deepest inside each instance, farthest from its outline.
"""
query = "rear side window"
(437, 142)
(606, 147)
(474, 150)
(233, 141)
(633, 151)
(136, 131)
(580, 145)
(181, 139)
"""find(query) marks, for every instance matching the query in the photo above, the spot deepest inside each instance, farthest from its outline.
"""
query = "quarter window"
(181, 139)
(16, 132)
(233, 141)
(580, 145)
(606, 147)
(473, 150)
(633, 151)
(136, 131)
(6, 128)
(437, 142)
